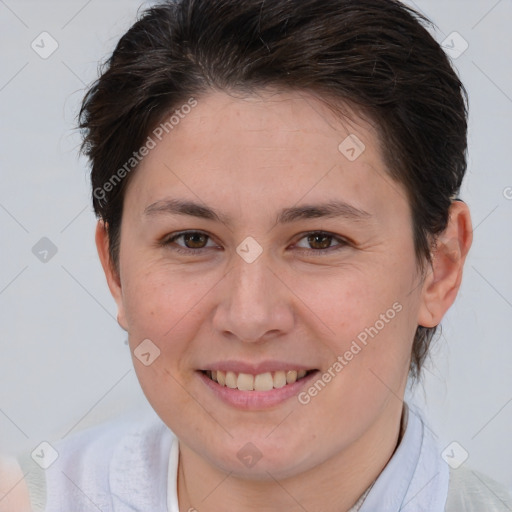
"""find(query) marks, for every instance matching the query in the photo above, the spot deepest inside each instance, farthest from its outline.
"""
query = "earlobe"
(444, 278)
(111, 274)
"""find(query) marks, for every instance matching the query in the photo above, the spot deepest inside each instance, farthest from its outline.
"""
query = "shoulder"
(99, 445)
(470, 490)
(13, 487)
(94, 462)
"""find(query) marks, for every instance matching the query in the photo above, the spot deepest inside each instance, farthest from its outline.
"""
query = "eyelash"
(186, 250)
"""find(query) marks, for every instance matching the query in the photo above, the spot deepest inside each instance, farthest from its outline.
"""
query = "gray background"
(64, 363)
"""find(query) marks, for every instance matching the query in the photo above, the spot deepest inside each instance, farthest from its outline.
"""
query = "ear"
(111, 273)
(443, 280)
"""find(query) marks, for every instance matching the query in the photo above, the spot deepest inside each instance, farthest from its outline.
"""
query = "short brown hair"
(375, 55)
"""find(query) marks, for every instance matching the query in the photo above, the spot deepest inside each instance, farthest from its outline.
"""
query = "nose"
(254, 304)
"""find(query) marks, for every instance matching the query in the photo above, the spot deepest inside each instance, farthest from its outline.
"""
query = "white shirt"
(413, 480)
(130, 465)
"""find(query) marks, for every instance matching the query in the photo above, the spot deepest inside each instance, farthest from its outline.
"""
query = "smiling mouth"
(260, 382)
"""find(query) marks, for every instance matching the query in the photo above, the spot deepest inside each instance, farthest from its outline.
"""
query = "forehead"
(267, 146)
(271, 121)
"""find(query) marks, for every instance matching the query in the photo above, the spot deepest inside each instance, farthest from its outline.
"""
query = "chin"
(260, 459)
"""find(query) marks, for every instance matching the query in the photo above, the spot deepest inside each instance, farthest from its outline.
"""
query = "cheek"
(348, 300)
(370, 370)
(159, 308)
(371, 321)
(166, 305)
(152, 296)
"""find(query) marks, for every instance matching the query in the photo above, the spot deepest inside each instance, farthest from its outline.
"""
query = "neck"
(333, 486)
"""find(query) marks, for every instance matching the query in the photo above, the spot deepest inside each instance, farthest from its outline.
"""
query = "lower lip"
(254, 400)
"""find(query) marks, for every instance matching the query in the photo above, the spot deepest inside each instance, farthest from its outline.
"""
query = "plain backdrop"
(64, 363)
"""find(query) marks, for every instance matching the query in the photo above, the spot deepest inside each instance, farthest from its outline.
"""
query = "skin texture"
(248, 158)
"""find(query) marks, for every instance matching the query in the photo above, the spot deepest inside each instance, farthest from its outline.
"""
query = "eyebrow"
(331, 209)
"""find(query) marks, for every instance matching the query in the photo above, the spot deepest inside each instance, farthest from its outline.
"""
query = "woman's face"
(307, 264)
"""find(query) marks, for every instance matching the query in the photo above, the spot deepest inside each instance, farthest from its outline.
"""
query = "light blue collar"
(414, 480)
(416, 477)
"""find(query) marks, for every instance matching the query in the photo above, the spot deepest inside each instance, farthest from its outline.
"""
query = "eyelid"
(168, 239)
(342, 242)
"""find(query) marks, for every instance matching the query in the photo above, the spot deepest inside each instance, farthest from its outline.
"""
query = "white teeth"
(291, 376)
(279, 379)
(261, 382)
(231, 380)
(245, 382)
(221, 378)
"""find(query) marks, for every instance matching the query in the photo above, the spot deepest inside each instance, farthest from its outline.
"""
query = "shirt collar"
(416, 478)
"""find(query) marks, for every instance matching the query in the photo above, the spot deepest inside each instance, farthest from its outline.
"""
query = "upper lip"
(254, 368)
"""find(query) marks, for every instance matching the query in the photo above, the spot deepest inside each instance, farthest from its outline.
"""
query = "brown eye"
(319, 242)
(195, 240)
(192, 242)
